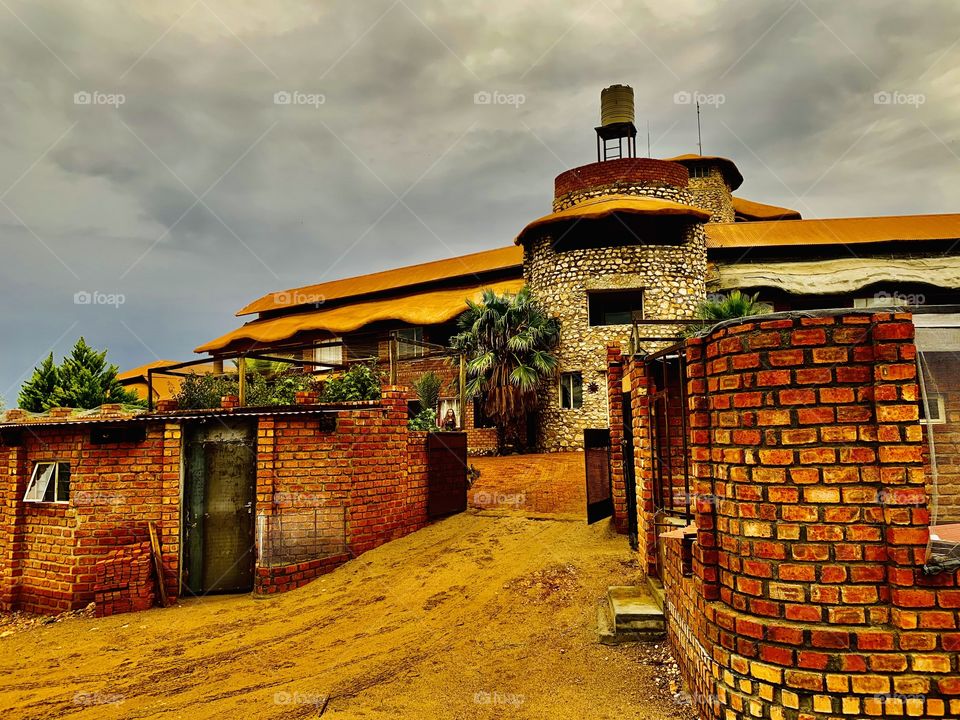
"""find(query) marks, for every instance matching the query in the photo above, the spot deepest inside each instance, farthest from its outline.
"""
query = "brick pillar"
(13, 487)
(636, 370)
(169, 528)
(615, 405)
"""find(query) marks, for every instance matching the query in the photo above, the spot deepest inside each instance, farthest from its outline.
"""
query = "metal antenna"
(648, 138)
(699, 135)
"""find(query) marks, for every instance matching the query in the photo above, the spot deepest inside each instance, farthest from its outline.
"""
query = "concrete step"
(629, 615)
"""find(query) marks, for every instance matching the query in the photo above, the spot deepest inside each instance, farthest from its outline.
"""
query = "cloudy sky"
(143, 152)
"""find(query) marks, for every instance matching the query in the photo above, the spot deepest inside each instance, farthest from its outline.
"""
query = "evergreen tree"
(37, 393)
(84, 380)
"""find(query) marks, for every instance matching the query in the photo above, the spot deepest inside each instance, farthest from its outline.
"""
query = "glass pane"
(565, 399)
(40, 483)
(63, 482)
(577, 382)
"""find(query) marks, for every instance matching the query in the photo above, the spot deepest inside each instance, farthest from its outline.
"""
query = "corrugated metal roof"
(606, 205)
(184, 415)
(833, 231)
(466, 266)
(425, 308)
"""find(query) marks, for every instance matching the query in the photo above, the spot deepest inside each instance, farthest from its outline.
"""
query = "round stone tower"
(712, 182)
(624, 247)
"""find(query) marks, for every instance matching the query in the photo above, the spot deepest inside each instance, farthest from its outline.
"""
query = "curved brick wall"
(630, 176)
(808, 598)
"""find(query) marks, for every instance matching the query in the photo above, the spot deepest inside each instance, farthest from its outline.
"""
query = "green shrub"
(423, 420)
(360, 382)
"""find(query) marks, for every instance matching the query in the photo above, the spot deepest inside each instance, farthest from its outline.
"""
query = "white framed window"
(445, 405)
(49, 483)
(330, 355)
(932, 412)
(571, 390)
(409, 341)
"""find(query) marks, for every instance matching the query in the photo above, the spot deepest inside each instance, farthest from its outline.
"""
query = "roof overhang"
(609, 205)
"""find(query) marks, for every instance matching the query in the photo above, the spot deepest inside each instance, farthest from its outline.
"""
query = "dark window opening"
(111, 435)
(480, 418)
(615, 307)
(571, 391)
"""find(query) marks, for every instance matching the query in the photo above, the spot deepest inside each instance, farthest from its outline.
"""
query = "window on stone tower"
(700, 171)
(571, 391)
(615, 307)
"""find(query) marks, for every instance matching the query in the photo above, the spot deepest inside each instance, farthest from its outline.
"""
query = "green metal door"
(219, 507)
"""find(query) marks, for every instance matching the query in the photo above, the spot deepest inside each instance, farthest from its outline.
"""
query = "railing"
(300, 535)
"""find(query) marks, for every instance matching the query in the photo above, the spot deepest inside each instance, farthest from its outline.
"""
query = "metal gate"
(596, 455)
(218, 512)
(447, 473)
(667, 398)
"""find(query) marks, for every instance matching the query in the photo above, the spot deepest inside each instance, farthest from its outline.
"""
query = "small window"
(329, 354)
(446, 405)
(480, 418)
(50, 482)
(571, 391)
(932, 411)
(615, 307)
(410, 342)
(700, 171)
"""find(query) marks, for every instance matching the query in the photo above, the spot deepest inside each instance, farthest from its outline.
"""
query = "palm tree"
(726, 307)
(508, 341)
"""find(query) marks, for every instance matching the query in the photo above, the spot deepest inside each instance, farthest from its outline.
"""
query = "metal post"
(394, 355)
(463, 391)
(242, 368)
(150, 390)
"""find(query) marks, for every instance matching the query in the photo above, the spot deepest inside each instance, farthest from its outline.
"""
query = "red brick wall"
(942, 370)
(49, 550)
(370, 465)
(625, 170)
(809, 600)
(615, 409)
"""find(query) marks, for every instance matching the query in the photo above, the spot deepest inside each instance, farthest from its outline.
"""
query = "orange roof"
(463, 266)
(727, 166)
(833, 231)
(753, 210)
(425, 308)
(609, 204)
(141, 371)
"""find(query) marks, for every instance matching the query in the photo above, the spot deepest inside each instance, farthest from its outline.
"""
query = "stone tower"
(624, 246)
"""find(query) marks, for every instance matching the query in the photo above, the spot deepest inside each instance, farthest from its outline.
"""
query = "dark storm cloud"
(199, 192)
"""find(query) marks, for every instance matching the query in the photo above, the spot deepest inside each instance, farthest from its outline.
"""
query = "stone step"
(629, 615)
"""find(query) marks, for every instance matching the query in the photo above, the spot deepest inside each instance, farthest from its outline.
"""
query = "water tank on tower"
(616, 124)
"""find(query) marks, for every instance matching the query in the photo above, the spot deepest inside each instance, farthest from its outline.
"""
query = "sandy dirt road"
(477, 616)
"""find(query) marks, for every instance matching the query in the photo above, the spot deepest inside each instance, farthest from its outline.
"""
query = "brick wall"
(808, 599)
(365, 481)
(625, 170)
(941, 372)
(49, 550)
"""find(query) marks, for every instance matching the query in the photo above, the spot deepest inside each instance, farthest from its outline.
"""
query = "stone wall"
(672, 279)
(807, 598)
(712, 193)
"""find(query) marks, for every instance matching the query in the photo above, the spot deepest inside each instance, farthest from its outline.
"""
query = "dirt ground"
(477, 616)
